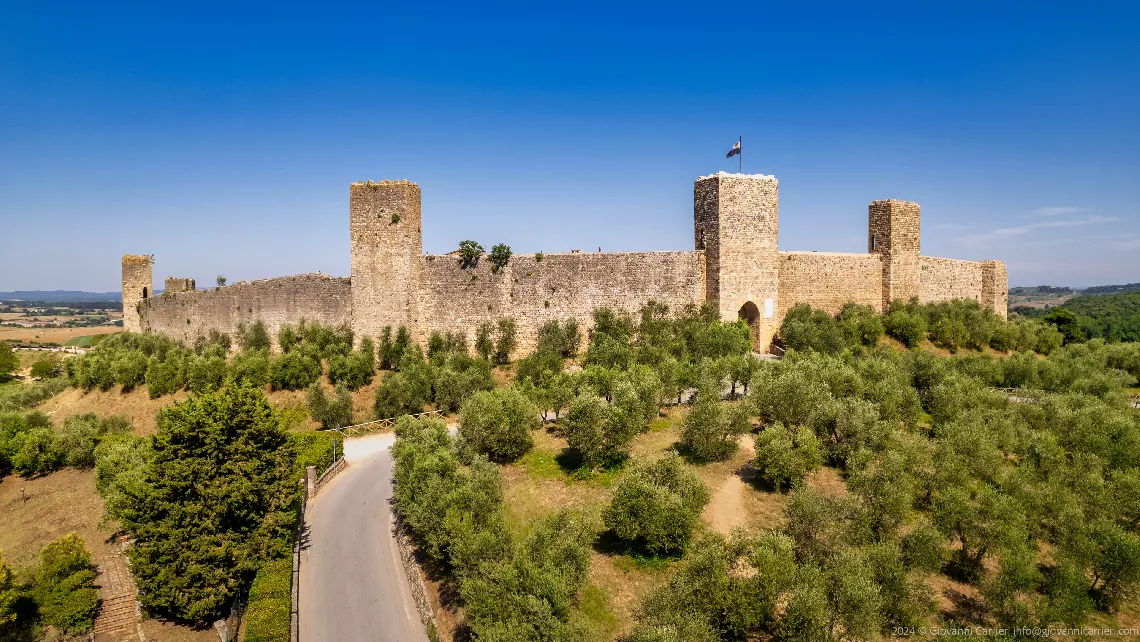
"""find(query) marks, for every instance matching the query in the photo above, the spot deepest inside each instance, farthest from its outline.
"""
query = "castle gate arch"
(750, 314)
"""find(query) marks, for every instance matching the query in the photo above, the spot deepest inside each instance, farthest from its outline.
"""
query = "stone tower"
(736, 219)
(137, 287)
(995, 288)
(385, 244)
(892, 231)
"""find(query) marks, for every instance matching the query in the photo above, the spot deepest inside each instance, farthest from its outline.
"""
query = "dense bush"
(331, 413)
(398, 394)
(80, 435)
(47, 368)
(523, 590)
(225, 451)
(293, 370)
(254, 336)
(497, 423)
(785, 456)
(206, 372)
(559, 337)
(657, 505)
(709, 430)
(268, 609)
(356, 369)
(250, 368)
(8, 360)
(65, 586)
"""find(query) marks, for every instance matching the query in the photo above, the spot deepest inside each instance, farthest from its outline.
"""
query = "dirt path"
(726, 510)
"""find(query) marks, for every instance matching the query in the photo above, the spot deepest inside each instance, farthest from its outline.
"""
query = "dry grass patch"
(135, 405)
(54, 335)
(60, 503)
(620, 586)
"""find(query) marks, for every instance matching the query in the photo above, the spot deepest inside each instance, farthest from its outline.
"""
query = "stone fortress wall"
(451, 297)
(735, 266)
(278, 301)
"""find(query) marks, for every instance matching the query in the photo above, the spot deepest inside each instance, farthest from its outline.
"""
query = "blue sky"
(223, 140)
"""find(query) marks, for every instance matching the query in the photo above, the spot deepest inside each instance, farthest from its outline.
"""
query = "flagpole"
(740, 156)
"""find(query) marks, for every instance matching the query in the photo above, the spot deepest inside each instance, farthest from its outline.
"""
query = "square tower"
(735, 222)
(893, 232)
(995, 288)
(137, 276)
(385, 244)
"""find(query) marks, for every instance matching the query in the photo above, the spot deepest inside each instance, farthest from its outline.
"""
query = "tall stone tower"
(995, 288)
(385, 241)
(736, 220)
(892, 231)
(137, 275)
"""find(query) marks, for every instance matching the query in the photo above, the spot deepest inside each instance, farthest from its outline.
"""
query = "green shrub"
(461, 377)
(860, 324)
(335, 412)
(709, 430)
(356, 369)
(250, 368)
(254, 336)
(77, 439)
(909, 328)
(65, 586)
(497, 423)
(293, 370)
(37, 453)
(269, 607)
(218, 497)
(398, 395)
(469, 253)
(212, 341)
(657, 505)
(948, 333)
(807, 329)
(505, 339)
(120, 468)
(598, 432)
(205, 374)
(785, 456)
(499, 257)
(166, 376)
(484, 341)
(8, 360)
(560, 338)
(47, 368)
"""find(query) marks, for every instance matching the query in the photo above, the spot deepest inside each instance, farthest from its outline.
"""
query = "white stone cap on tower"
(724, 174)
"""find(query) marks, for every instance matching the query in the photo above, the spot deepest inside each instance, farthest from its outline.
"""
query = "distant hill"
(55, 296)
(1111, 289)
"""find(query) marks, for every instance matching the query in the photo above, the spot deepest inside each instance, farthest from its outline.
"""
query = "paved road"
(352, 585)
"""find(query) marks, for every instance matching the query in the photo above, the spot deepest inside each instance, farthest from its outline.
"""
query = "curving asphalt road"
(352, 585)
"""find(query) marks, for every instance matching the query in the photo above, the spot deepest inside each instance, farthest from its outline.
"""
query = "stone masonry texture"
(174, 285)
(735, 266)
(278, 301)
(137, 287)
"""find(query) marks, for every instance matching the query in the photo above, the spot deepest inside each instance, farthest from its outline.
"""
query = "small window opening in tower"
(144, 293)
(873, 245)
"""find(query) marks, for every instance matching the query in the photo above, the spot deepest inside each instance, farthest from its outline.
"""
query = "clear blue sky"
(223, 140)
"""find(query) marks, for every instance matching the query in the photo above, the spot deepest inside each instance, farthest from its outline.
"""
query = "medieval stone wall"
(948, 279)
(278, 301)
(458, 299)
(829, 280)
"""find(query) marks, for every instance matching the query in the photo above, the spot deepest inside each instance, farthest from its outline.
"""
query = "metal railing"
(380, 424)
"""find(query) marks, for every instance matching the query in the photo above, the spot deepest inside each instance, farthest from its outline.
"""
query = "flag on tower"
(734, 151)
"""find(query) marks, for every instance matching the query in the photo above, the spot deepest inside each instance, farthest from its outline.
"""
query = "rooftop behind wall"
(277, 301)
